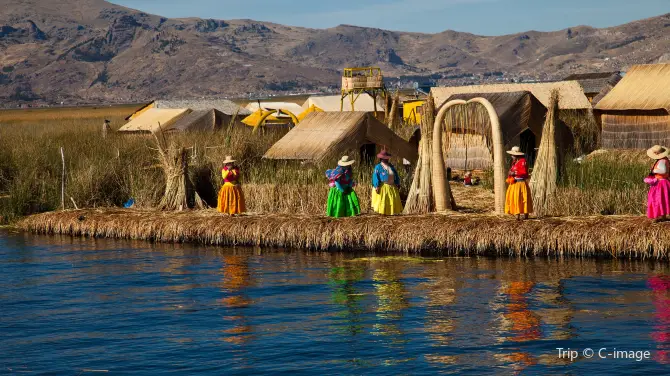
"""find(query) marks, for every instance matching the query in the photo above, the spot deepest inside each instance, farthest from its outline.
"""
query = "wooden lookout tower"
(356, 81)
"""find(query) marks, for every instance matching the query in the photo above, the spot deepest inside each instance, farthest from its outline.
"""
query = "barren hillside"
(92, 51)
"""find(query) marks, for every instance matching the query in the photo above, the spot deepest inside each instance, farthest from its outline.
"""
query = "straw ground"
(454, 234)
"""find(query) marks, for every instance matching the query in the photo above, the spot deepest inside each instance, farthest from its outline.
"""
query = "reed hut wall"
(635, 114)
(635, 129)
(323, 135)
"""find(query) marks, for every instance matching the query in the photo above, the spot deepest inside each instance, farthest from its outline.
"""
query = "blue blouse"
(342, 177)
(380, 175)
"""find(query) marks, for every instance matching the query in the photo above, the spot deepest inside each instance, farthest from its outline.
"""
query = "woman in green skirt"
(342, 200)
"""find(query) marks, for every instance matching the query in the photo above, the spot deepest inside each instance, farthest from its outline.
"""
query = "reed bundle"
(452, 234)
(392, 120)
(420, 198)
(545, 175)
(179, 192)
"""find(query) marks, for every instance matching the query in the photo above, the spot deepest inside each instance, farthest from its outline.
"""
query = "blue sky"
(485, 17)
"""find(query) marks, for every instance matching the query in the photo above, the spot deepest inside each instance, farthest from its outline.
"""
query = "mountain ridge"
(91, 51)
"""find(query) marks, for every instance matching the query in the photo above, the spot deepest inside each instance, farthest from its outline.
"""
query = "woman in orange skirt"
(518, 200)
(231, 198)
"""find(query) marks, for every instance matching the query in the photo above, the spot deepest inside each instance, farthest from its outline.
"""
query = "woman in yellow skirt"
(231, 198)
(385, 183)
(518, 200)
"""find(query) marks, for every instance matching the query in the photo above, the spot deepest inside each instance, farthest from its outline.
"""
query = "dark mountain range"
(92, 51)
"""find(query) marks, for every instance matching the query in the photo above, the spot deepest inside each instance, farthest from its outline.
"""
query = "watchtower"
(356, 81)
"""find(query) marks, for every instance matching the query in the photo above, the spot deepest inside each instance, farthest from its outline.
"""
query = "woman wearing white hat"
(231, 198)
(658, 198)
(518, 200)
(342, 200)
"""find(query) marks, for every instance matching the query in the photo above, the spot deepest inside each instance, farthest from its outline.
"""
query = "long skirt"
(387, 201)
(658, 199)
(341, 204)
(231, 199)
(518, 199)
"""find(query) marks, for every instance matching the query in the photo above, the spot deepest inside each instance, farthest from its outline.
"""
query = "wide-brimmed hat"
(384, 155)
(229, 159)
(345, 161)
(658, 152)
(515, 151)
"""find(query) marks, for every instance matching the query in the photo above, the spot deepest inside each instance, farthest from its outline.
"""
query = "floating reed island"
(436, 234)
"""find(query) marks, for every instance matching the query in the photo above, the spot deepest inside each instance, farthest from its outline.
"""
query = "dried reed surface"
(420, 197)
(545, 174)
(453, 234)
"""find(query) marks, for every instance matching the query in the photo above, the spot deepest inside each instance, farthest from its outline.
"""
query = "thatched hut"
(572, 95)
(200, 120)
(595, 85)
(154, 119)
(636, 113)
(521, 118)
(575, 108)
(226, 108)
(323, 135)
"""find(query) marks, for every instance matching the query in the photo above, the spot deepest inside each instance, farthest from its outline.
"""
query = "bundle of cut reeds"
(180, 192)
(545, 174)
(420, 198)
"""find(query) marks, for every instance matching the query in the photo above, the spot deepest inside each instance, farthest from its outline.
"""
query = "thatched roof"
(154, 119)
(201, 120)
(269, 106)
(517, 111)
(331, 103)
(645, 87)
(594, 83)
(572, 95)
(223, 105)
(328, 134)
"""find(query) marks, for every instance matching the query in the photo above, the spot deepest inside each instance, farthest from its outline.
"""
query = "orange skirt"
(231, 199)
(518, 199)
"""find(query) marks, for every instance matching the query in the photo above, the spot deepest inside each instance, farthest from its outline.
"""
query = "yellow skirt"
(387, 201)
(231, 199)
(518, 199)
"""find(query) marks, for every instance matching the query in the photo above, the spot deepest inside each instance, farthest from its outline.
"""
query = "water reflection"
(109, 305)
(660, 286)
(342, 280)
(391, 299)
(440, 290)
(236, 278)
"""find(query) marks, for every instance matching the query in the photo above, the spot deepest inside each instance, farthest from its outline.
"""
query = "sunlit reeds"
(453, 234)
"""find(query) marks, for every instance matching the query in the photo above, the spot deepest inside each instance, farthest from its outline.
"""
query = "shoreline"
(452, 234)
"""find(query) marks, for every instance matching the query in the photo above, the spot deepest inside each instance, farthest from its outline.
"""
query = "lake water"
(72, 307)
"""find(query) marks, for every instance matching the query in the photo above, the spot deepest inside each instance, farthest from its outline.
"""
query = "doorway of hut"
(527, 144)
(368, 153)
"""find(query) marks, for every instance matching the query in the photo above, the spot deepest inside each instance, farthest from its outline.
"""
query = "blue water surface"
(90, 307)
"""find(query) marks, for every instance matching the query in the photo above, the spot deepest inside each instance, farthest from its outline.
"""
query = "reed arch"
(267, 114)
(493, 135)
